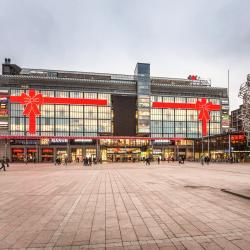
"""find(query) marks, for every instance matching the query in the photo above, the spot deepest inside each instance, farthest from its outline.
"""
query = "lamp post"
(229, 129)
(202, 145)
(193, 152)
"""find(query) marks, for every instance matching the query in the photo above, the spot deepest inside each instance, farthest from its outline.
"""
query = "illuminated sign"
(202, 106)
(44, 141)
(225, 121)
(33, 101)
(47, 150)
(4, 118)
(192, 77)
(58, 140)
(237, 137)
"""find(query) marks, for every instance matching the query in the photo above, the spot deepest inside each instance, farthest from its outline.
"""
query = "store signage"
(4, 109)
(44, 141)
(58, 140)
(83, 140)
(237, 137)
(33, 101)
(225, 121)
(32, 150)
(17, 150)
(47, 150)
(202, 106)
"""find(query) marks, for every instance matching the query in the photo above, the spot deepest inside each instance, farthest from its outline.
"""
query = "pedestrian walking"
(180, 159)
(147, 161)
(25, 160)
(208, 160)
(2, 165)
(202, 160)
(7, 161)
(66, 161)
(183, 159)
(159, 160)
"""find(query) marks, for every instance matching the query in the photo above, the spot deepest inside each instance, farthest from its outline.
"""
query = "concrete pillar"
(69, 152)
(54, 154)
(39, 158)
(97, 149)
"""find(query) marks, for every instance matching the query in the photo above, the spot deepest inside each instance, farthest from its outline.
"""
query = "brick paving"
(124, 206)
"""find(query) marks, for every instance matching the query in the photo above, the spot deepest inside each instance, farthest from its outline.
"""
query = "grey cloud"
(177, 37)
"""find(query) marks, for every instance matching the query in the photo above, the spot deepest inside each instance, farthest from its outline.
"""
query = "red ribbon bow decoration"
(203, 106)
(33, 101)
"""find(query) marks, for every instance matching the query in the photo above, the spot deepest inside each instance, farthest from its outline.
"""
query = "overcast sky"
(178, 38)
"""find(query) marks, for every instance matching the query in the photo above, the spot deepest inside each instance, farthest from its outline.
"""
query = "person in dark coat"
(159, 160)
(3, 165)
(7, 161)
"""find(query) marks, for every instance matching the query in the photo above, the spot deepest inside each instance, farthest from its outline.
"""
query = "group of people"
(88, 161)
(60, 161)
(4, 162)
(181, 159)
(205, 159)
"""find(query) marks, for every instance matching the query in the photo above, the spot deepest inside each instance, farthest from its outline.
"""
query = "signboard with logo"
(4, 115)
(225, 121)
(58, 141)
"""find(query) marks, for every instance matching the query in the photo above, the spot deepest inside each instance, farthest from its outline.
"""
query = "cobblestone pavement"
(124, 206)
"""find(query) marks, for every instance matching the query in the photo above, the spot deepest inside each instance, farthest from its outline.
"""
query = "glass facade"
(65, 120)
(80, 120)
(181, 123)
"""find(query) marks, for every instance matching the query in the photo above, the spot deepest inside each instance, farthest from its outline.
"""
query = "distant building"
(236, 120)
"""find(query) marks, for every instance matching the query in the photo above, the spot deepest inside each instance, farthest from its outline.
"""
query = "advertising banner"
(4, 115)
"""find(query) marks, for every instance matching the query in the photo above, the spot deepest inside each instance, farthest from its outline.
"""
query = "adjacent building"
(47, 114)
(236, 119)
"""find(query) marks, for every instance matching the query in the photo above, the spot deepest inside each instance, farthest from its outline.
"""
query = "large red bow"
(32, 101)
(205, 107)
(31, 109)
(202, 106)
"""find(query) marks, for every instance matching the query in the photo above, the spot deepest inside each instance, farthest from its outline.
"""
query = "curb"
(236, 194)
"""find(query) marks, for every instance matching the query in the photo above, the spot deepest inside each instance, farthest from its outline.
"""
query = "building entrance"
(31, 155)
(123, 154)
(76, 154)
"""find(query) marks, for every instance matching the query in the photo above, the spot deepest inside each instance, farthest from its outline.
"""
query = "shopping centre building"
(47, 114)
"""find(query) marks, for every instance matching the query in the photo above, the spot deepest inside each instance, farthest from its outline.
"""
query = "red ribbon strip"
(203, 106)
(34, 100)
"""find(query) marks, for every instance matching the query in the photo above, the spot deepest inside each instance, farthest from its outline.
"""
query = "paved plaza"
(124, 206)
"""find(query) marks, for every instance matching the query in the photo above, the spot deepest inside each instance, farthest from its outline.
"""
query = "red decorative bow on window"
(32, 103)
(34, 100)
(203, 106)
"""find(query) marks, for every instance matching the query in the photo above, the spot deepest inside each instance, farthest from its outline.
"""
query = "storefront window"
(17, 154)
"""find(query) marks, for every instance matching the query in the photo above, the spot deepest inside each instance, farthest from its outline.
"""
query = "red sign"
(47, 150)
(17, 150)
(34, 100)
(31, 150)
(237, 137)
(192, 77)
(202, 106)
